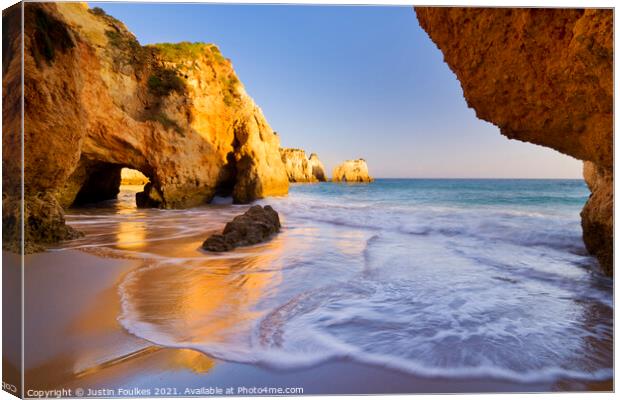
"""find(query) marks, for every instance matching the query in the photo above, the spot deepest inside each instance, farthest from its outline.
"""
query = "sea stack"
(544, 76)
(352, 171)
(300, 168)
(318, 170)
(97, 101)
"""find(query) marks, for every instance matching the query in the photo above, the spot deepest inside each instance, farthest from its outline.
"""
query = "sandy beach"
(74, 340)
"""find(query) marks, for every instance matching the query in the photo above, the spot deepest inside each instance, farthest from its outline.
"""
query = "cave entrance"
(133, 182)
(96, 182)
(133, 177)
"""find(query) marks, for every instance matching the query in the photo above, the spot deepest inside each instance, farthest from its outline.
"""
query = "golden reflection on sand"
(131, 235)
(192, 360)
(182, 295)
(202, 301)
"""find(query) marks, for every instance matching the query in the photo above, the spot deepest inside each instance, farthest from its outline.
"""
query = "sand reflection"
(200, 303)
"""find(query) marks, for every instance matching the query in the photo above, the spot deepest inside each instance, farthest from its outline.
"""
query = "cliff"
(300, 168)
(542, 76)
(97, 101)
(352, 171)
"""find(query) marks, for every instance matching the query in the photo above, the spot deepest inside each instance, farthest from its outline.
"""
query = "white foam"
(431, 290)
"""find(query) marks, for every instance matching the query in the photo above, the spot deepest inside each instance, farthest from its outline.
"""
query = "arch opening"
(96, 181)
(100, 182)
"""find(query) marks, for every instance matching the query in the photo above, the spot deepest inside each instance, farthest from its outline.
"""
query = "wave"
(435, 290)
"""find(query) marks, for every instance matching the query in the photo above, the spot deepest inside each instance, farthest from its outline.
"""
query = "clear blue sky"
(349, 82)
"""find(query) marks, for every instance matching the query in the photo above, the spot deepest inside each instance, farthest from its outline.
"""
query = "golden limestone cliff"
(352, 171)
(300, 168)
(97, 101)
(542, 76)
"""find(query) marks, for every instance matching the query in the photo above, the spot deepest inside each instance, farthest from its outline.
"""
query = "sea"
(449, 278)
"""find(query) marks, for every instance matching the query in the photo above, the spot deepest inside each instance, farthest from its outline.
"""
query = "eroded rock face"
(352, 171)
(254, 226)
(318, 169)
(300, 168)
(598, 213)
(542, 76)
(96, 100)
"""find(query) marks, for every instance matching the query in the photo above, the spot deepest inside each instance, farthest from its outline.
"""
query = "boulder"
(256, 225)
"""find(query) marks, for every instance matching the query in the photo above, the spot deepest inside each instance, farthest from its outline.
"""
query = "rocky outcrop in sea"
(352, 171)
(300, 168)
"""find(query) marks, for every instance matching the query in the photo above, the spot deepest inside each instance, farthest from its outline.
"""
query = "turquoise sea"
(433, 277)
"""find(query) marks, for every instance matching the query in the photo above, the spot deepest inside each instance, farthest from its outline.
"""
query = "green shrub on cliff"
(164, 81)
(179, 51)
(111, 21)
(123, 41)
(186, 51)
(230, 83)
(98, 11)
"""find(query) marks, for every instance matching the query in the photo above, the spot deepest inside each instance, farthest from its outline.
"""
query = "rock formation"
(542, 76)
(97, 101)
(133, 177)
(300, 168)
(318, 169)
(256, 225)
(352, 171)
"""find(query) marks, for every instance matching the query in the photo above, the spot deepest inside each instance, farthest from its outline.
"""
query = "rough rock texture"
(597, 215)
(256, 225)
(300, 168)
(543, 76)
(352, 171)
(133, 177)
(97, 101)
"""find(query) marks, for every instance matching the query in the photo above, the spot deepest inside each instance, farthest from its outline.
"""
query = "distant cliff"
(133, 177)
(543, 76)
(97, 101)
(300, 168)
(352, 171)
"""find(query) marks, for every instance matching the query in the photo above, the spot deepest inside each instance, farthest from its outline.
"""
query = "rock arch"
(542, 76)
(97, 101)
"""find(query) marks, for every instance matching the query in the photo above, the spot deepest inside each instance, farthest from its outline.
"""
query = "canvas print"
(232, 199)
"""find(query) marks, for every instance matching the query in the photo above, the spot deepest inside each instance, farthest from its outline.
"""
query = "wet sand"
(73, 340)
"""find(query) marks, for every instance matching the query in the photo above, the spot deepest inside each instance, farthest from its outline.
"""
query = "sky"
(351, 82)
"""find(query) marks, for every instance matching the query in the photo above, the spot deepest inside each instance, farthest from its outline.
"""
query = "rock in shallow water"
(256, 225)
(352, 171)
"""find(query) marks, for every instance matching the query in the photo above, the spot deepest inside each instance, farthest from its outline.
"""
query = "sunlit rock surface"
(97, 101)
(300, 168)
(352, 171)
(542, 76)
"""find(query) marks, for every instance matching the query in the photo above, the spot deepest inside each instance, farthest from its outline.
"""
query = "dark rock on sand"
(256, 225)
